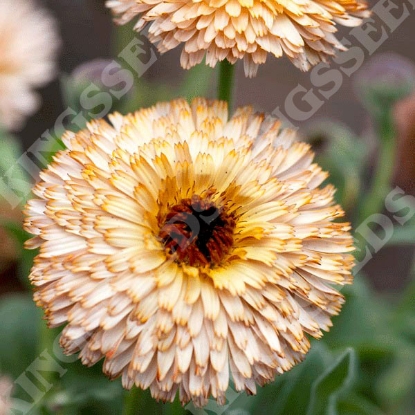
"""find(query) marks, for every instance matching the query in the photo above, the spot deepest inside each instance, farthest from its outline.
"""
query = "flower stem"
(46, 366)
(375, 198)
(174, 408)
(132, 402)
(226, 81)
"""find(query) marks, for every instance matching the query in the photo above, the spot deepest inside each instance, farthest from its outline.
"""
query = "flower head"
(244, 29)
(28, 44)
(185, 247)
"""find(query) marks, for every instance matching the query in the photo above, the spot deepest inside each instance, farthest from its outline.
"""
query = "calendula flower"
(185, 247)
(303, 30)
(28, 45)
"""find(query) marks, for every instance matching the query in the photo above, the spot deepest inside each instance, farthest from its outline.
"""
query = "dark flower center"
(197, 233)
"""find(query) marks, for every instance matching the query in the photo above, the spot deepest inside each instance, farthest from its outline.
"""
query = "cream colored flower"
(303, 30)
(185, 247)
(28, 46)
(6, 387)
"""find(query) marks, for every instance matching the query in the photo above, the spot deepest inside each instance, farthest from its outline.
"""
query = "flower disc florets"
(185, 247)
(196, 232)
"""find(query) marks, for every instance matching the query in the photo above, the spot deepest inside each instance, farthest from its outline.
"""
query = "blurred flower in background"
(28, 43)
(90, 71)
(385, 79)
(302, 30)
(186, 247)
(6, 386)
(88, 80)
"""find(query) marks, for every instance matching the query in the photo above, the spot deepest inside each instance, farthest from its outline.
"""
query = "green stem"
(226, 81)
(375, 198)
(122, 36)
(174, 408)
(46, 367)
(132, 401)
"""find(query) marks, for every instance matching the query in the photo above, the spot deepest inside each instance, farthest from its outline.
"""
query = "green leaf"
(10, 152)
(335, 379)
(353, 404)
(366, 324)
(404, 318)
(82, 390)
(403, 235)
(362, 319)
(97, 396)
(233, 400)
(19, 330)
(290, 392)
(174, 408)
(397, 383)
(15, 184)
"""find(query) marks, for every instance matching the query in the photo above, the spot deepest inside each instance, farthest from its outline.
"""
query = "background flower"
(28, 44)
(5, 391)
(384, 80)
(185, 247)
(244, 29)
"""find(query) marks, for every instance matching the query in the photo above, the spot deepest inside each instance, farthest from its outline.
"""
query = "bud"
(97, 87)
(384, 80)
